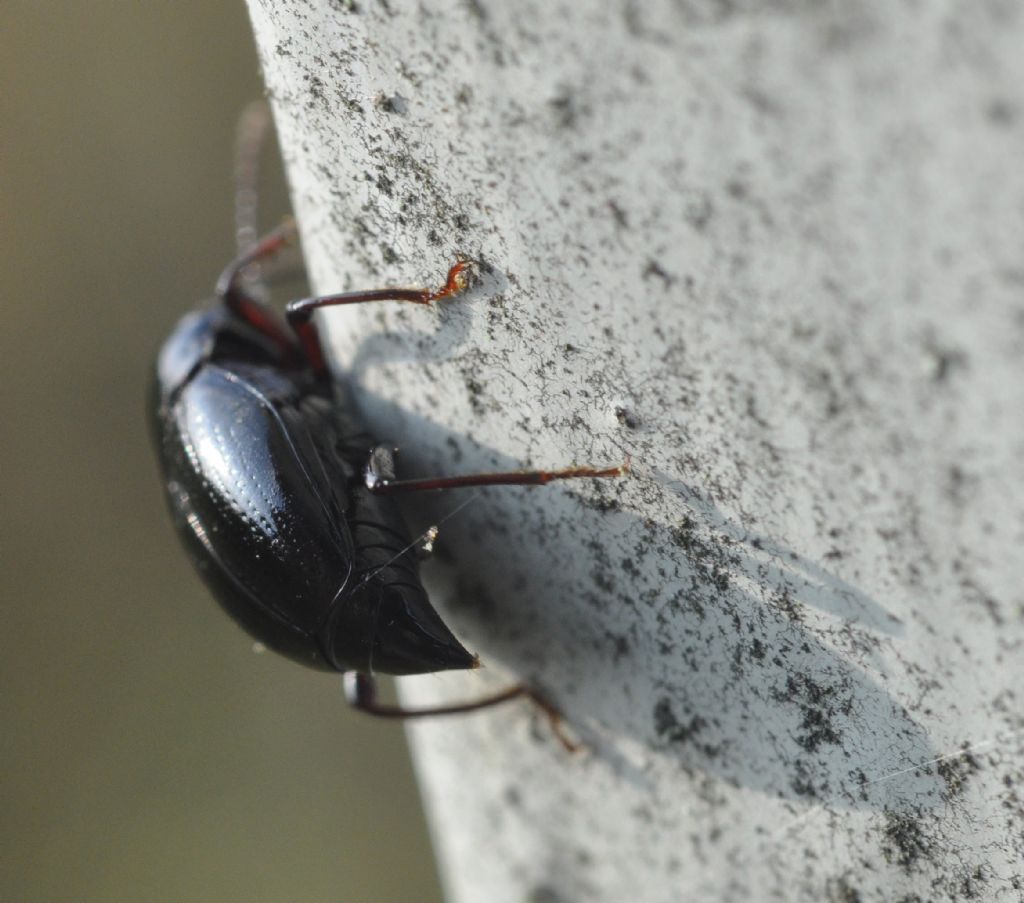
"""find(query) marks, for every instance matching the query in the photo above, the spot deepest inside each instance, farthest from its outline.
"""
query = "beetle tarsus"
(459, 279)
(556, 721)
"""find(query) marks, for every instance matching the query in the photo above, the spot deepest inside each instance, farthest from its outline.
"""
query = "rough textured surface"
(772, 250)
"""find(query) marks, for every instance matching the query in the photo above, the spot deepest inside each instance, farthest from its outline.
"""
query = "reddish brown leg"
(361, 693)
(300, 313)
(268, 246)
(256, 313)
(379, 476)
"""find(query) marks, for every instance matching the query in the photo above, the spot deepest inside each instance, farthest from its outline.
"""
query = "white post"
(775, 252)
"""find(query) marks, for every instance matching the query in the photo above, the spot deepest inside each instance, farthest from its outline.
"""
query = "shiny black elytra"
(282, 500)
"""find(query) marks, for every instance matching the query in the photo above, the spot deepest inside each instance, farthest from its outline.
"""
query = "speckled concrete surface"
(774, 252)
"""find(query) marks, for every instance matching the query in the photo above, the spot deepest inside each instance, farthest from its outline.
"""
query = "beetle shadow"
(708, 647)
(685, 635)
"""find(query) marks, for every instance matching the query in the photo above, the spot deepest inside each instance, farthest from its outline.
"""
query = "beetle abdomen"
(387, 623)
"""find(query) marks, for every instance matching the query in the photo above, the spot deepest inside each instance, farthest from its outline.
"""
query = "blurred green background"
(147, 753)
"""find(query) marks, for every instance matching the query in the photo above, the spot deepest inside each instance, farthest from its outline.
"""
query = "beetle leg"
(257, 314)
(379, 476)
(361, 694)
(300, 313)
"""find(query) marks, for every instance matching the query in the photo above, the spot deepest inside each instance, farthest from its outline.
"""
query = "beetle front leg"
(300, 313)
(361, 694)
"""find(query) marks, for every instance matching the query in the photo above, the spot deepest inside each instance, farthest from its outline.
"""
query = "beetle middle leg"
(379, 476)
(361, 694)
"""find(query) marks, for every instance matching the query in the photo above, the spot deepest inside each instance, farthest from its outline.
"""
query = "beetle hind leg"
(361, 694)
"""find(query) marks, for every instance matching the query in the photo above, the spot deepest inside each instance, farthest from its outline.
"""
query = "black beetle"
(282, 500)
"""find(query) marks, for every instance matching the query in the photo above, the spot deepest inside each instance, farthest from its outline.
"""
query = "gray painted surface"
(772, 251)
